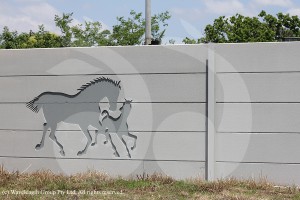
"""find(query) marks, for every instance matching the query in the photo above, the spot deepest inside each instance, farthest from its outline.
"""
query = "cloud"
(24, 17)
(294, 11)
(281, 3)
(188, 13)
(224, 7)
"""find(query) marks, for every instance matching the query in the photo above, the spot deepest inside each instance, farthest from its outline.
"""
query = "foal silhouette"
(117, 125)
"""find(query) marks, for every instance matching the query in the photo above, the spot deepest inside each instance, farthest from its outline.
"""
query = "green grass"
(95, 185)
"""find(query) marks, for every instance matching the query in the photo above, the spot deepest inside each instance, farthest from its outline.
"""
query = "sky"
(189, 17)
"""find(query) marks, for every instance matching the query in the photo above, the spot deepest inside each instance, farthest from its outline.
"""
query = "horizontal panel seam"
(257, 132)
(275, 163)
(133, 131)
(99, 159)
(263, 72)
(258, 102)
(104, 74)
(141, 102)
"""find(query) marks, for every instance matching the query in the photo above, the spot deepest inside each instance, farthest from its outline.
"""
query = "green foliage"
(8, 39)
(64, 24)
(190, 41)
(130, 31)
(89, 34)
(41, 39)
(239, 28)
(127, 32)
(157, 22)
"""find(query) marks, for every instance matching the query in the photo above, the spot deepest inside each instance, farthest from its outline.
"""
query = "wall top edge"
(112, 47)
(166, 46)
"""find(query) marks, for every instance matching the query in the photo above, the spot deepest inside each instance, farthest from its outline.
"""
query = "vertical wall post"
(148, 22)
(210, 114)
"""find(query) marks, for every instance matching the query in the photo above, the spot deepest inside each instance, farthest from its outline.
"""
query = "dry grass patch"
(96, 185)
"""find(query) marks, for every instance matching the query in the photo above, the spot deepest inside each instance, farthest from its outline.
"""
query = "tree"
(8, 39)
(90, 35)
(283, 25)
(46, 39)
(157, 22)
(239, 28)
(190, 41)
(41, 39)
(64, 24)
(87, 35)
(130, 31)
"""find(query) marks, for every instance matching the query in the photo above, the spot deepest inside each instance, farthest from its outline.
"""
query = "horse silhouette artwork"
(81, 108)
(119, 126)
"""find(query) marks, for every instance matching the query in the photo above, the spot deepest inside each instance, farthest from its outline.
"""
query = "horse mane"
(100, 79)
(32, 105)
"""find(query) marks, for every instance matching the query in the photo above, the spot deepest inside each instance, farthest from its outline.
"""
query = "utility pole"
(148, 22)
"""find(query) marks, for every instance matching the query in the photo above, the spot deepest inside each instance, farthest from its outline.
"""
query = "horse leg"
(41, 144)
(101, 129)
(121, 137)
(96, 136)
(89, 141)
(53, 137)
(113, 146)
(131, 136)
(106, 134)
(135, 138)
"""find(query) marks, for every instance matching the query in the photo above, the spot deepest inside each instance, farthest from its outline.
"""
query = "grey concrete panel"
(257, 57)
(166, 146)
(176, 169)
(258, 117)
(189, 146)
(275, 173)
(143, 117)
(154, 88)
(104, 60)
(159, 59)
(115, 168)
(261, 147)
(258, 87)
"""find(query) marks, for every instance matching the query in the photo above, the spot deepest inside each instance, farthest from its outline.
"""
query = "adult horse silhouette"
(117, 125)
(81, 108)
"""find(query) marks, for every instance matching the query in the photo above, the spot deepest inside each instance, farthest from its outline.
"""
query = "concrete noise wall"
(134, 110)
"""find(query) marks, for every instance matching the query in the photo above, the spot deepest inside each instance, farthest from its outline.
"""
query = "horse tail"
(34, 105)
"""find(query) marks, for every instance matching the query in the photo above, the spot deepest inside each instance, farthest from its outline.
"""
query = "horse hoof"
(62, 153)
(116, 154)
(132, 148)
(93, 144)
(80, 153)
(38, 147)
(105, 142)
